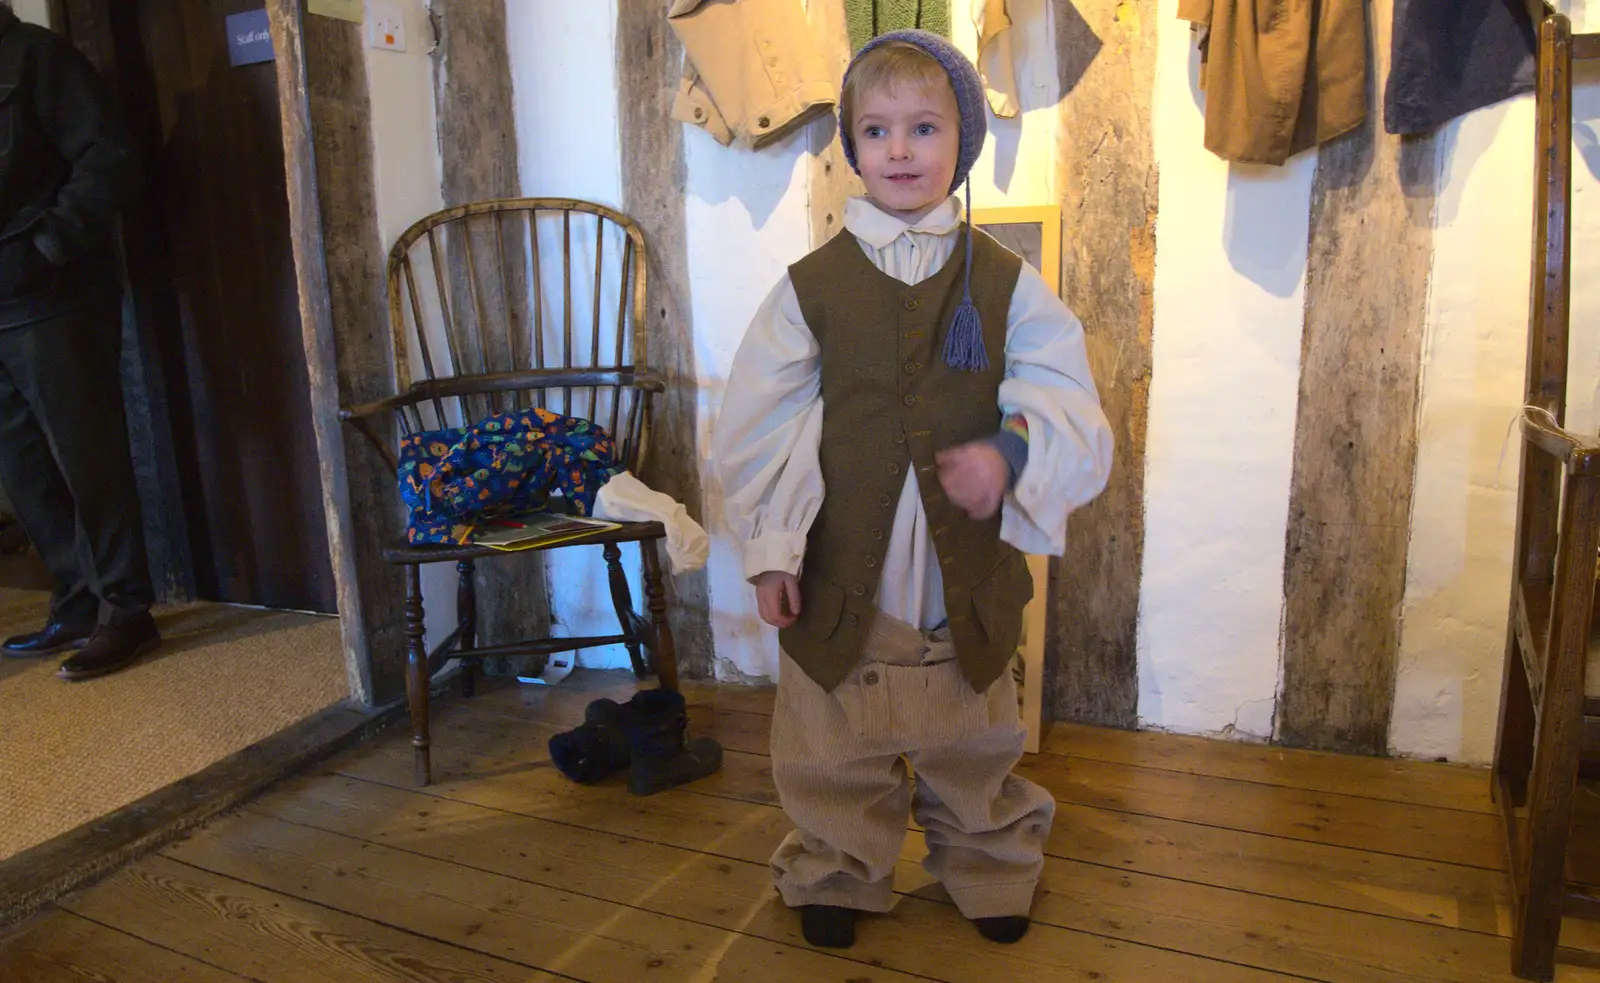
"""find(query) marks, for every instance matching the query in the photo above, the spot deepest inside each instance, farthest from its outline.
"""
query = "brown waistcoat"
(889, 404)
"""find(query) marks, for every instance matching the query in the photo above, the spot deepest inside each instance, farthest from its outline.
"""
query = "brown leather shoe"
(114, 646)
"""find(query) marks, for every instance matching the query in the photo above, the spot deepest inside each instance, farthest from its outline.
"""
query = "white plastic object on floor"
(558, 668)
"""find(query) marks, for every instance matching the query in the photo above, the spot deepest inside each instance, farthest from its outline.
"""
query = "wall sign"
(249, 38)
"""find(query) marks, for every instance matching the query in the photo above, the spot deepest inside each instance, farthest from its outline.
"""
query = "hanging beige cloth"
(996, 58)
(754, 70)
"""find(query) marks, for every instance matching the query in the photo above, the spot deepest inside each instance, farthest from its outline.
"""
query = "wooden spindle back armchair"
(500, 307)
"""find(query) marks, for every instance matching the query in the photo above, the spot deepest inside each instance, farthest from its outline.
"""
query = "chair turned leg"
(1536, 923)
(1513, 745)
(467, 625)
(417, 675)
(622, 600)
(665, 651)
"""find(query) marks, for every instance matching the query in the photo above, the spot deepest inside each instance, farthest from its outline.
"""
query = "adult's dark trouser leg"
(66, 462)
(43, 503)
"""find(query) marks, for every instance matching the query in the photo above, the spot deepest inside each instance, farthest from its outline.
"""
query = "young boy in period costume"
(910, 412)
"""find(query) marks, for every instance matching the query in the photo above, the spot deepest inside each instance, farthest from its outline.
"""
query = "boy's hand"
(974, 477)
(773, 590)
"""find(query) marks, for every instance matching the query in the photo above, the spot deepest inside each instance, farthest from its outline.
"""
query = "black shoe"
(114, 646)
(54, 637)
(589, 753)
(662, 755)
(828, 926)
(1005, 930)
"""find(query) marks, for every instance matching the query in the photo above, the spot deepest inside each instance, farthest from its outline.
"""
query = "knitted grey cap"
(963, 344)
(964, 80)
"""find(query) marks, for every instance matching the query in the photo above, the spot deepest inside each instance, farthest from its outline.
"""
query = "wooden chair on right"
(1543, 711)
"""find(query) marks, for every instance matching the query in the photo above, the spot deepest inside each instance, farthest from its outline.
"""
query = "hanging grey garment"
(1449, 57)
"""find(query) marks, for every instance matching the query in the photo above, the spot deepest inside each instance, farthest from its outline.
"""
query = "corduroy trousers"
(840, 761)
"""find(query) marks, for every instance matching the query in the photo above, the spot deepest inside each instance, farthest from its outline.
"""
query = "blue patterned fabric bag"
(457, 481)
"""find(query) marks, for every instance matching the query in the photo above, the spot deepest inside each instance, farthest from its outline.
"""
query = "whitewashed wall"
(747, 221)
(1458, 577)
(405, 155)
(563, 74)
(1018, 165)
(1229, 306)
(1463, 518)
(1229, 310)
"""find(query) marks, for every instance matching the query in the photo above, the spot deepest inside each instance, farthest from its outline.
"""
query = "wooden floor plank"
(273, 938)
(486, 748)
(1267, 933)
(925, 938)
(477, 760)
(1171, 859)
(63, 948)
(1391, 779)
(1398, 828)
(1380, 825)
(1394, 779)
(584, 938)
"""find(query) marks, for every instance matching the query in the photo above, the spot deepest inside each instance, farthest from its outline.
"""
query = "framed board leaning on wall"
(1034, 233)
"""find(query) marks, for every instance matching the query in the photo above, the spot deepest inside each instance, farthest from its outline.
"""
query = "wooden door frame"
(315, 302)
(317, 328)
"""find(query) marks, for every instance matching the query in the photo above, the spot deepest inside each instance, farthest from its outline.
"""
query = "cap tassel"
(963, 345)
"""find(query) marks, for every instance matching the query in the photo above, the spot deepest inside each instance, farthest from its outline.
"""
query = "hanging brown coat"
(1280, 76)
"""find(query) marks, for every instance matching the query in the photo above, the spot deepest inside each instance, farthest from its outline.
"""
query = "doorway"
(214, 257)
(220, 403)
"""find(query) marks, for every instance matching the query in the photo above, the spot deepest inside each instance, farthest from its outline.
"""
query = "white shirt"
(767, 440)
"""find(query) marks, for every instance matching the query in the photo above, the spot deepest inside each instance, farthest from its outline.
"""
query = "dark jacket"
(66, 169)
(1450, 57)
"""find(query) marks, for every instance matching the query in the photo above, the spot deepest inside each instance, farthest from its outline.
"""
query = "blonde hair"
(885, 67)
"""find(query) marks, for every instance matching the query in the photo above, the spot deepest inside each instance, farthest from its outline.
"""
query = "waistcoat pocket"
(999, 599)
(821, 603)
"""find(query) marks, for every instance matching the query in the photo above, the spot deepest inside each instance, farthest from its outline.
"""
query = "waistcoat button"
(870, 677)
(899, 438)
(883, 500)
(872, 561)
(911, 368)
(912, 303)
(894, 469)
(877, 534)
(859, 590)
(909, 400)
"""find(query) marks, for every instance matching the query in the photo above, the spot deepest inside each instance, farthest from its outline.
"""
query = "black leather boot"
(662, 755)
(599, 747)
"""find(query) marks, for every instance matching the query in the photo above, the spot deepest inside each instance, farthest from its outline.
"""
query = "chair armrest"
(362, 411)
(1580, 453)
